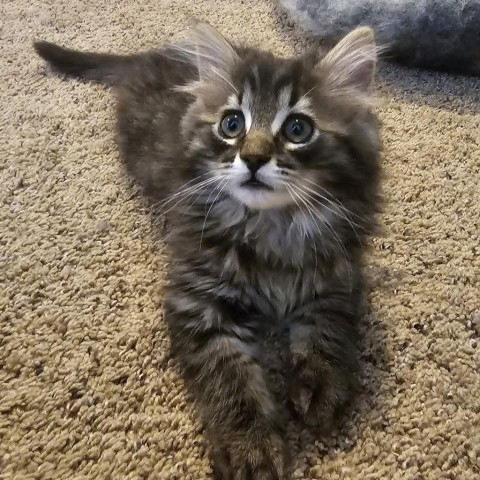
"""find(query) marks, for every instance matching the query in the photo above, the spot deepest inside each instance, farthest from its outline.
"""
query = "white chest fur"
(284, 272)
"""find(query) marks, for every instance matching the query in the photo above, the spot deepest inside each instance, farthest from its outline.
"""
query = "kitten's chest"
(274, 261)
(278, 292)
(276, 283)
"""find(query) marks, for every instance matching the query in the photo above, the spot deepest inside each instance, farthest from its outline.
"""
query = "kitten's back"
(145, 89)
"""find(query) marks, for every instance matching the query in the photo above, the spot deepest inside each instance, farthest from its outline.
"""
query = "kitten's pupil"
(232, 124)
(297, 129)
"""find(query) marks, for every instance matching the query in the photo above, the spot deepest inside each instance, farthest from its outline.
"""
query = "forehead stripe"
(247, 106)
(283, 108)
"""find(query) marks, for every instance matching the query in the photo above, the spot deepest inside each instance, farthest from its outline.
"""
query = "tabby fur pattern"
(266, 234)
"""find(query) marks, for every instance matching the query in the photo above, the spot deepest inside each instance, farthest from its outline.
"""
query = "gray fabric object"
(432, 34)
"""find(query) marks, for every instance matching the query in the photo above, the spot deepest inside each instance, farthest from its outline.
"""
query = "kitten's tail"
(104, 68)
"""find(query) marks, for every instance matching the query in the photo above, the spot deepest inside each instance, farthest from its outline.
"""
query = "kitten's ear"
(214, 54)
(350, 65)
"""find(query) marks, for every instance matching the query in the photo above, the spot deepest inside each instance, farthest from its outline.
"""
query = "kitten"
(267, 170)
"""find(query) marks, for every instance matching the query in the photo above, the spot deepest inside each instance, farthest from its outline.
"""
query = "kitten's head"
(274, 131)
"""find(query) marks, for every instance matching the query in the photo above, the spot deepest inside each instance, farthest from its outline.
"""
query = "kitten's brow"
(233, 101)
(247, 105)
(303, 105)
(283, 108)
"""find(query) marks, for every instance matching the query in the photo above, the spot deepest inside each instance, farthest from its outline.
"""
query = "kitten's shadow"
(420, 87)
(445, 91)
(366, 410)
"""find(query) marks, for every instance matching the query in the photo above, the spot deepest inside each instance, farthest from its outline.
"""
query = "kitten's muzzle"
(255, 162)
(254, 182)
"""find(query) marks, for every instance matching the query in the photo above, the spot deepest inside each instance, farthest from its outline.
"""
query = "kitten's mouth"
(256, 184)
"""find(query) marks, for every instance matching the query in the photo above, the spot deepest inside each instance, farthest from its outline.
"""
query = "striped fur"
(251, 264)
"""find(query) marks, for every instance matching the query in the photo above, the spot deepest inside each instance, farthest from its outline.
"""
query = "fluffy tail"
(104, 68)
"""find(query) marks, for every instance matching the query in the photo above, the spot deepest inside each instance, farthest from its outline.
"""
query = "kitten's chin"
(260, 198)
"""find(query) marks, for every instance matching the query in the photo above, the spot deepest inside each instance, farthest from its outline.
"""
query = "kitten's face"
(266, 131)
(269, 132)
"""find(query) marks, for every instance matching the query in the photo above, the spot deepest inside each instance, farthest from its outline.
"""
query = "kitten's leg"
(324, 362)
(220, 364)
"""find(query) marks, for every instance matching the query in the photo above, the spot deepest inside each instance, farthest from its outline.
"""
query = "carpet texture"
(87, 388)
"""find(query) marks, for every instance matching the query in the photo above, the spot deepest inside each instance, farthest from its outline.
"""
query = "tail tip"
(47, 50)
(40, 46)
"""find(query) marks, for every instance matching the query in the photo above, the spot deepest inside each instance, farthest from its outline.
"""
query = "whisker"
(223, 185)
(202, 191)
(335, 199)
(305, 95)
(183, 196)
(291, 193)
(180, 190)
(310, 211)
(327, 225)
(162, 211)
(211, 193)
(338, 213)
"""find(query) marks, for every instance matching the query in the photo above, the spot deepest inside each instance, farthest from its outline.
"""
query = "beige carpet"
(87, 390)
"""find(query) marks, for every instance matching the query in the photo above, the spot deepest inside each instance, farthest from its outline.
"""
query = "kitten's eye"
(232, 124)
(297, 130)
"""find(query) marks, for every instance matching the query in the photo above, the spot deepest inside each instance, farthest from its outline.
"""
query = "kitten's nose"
(255, 162)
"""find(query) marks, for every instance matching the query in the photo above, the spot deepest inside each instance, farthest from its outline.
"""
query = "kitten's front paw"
(319, 390)
(254, 457)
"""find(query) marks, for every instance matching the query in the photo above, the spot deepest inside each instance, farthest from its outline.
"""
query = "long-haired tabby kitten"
(267, 169)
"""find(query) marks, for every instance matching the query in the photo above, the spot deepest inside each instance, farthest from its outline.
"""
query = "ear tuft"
(350, 65)
(212, 53)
